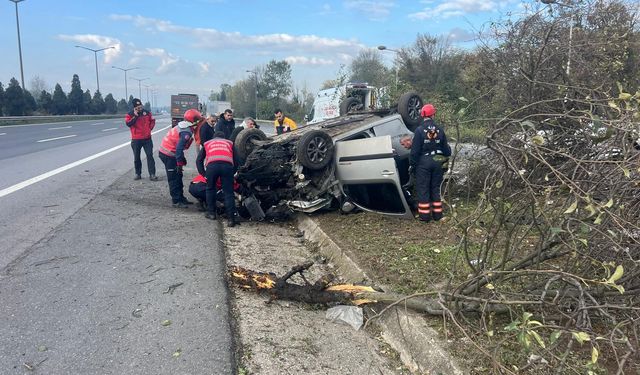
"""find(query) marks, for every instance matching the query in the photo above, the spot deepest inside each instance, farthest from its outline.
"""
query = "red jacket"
(140, 126)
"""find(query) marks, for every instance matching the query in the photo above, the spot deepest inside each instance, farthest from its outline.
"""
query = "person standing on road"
(217, 156)
(226, 123)
(429, 150)
(206, 131)
(140, 123)
(171, 152)
(282, 123)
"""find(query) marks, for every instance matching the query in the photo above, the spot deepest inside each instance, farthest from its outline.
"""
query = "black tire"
(315, 150)
(350, 104)
(234, 133)
(243, 146)
(409, 106)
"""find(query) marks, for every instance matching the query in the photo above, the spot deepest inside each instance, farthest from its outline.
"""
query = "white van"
(337, 101)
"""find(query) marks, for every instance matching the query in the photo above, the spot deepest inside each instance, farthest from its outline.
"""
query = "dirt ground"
(285, 337)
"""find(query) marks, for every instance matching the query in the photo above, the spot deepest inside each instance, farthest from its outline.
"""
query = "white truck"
(217, 106)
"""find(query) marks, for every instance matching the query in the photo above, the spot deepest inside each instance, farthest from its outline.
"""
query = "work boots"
(137, 177)
(233, 221)
(153, 177)
(210, 216)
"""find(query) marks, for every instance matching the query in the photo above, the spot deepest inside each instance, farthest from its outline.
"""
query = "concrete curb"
(407, 332)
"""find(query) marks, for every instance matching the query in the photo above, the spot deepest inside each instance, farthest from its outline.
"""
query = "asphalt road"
(98, 273)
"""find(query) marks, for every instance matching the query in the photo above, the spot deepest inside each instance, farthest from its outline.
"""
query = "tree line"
(17, 101)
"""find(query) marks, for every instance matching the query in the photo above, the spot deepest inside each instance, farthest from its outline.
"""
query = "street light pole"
(384, 48)
(147, 87)
(19, 44)
(139, 86)
(95, 55)
(255, 74)
(125, 70)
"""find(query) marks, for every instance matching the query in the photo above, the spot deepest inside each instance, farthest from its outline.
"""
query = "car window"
(383, 198)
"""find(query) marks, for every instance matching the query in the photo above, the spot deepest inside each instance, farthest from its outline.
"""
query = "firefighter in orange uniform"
(171, 152)
(217, 156)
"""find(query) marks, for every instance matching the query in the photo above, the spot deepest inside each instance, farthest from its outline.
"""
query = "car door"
(367, 175)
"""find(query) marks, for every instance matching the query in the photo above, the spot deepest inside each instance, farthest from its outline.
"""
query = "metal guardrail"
(18, 120)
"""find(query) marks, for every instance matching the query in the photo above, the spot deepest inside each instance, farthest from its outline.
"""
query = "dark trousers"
(174, 177)
(147, 144)
(225, 172)
(429, 176)
(198, 190)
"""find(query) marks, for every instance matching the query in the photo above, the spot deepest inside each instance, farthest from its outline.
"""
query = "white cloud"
(454, 8)
(211, 38)
(374, 10)
(168, 62)
(96, 42)
(303, 60)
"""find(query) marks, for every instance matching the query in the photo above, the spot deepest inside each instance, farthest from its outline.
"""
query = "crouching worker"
(429, 150)
(198, 189)
(217, 156)
(171, 152)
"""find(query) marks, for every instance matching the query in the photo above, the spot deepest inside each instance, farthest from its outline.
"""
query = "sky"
(195, 46)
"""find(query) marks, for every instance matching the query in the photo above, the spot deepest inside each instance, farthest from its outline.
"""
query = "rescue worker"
(429, 150)
(282, 123)
(218, 158)
(171, 152)
(198, 189)
(141, 123)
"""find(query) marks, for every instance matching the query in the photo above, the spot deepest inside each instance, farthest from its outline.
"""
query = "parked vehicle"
(180, 104)
(356, 157)
(218, 106)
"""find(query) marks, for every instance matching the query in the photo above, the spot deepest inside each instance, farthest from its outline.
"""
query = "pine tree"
(29, 103)
(97, 104)
(1, 99)
(110, 104)
(14, 99)
(45, 102)
(75, 98)
(59, 103)
(86, 103)
(122, 106)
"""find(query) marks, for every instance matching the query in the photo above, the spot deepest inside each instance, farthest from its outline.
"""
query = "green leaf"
(555, 335)
(555, 231)
(617, 274)
(609, 204)
(463, 99)
(499, 184)
(524, 339)
(490, 286)
(572, 208)
(620, 288)
(594, 355)
(583, 241)
(625, 96)
(534, 323)
(538, 339)
(626, 172)
(598, 219)
(581, 336)
(177, 353)
(538, 140)
(526, 316)
(513, 326)
(591, 209)
(613, 105)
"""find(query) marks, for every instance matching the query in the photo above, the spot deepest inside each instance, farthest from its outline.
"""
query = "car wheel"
(315, 150)
(234, 133)
(243, 145)
(350, 104)
(409, 107)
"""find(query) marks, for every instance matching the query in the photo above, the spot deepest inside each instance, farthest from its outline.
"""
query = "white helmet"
(184, 124)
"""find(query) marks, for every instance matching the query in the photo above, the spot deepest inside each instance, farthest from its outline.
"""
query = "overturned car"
(356, 159)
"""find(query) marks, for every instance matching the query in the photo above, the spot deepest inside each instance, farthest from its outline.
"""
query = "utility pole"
(384, 48)
(139, 86)
(95, 55)
(19, 44)
(125, 70)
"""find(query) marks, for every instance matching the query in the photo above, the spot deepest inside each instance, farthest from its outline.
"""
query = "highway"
(98, 273)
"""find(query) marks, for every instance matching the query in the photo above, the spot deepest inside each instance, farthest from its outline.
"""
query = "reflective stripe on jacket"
(218, 149)
(170, 141)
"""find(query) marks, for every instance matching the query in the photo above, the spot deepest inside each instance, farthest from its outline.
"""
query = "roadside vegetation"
(536, 264)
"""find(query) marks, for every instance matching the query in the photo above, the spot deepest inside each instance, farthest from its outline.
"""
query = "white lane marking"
(44, 176)
(3, 133)
(56, 138)
(98, 123)
(106, 130)
(62, 127)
